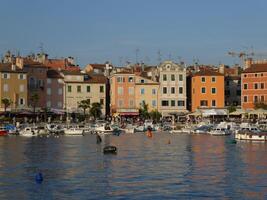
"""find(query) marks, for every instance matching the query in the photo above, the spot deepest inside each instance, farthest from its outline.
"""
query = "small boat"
(251, 135)
(220, 132)
(105, 129)
(110, 150)
(55, 128)
(3, 131)
(73, 131)
(202, 129)
(28, 131)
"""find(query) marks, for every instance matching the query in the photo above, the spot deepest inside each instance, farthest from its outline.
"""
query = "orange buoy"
(149, 134)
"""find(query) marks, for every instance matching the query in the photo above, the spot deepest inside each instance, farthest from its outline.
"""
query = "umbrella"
(196, 113)
(238, 112)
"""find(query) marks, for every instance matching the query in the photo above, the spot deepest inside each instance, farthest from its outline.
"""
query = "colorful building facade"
(207, 90)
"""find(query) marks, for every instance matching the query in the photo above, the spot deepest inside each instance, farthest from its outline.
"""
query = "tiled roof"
(70, 72)
(53, 74)
(256, 68)
(6, 67)
(96, 78)
(207, 72)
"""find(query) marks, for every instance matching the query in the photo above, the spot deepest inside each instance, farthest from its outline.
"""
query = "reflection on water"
(191, 166)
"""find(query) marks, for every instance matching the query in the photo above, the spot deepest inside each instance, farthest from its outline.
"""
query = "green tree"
(231, 109)
(143, 110)
(95, 110)
(155, 115)
(84, 104)
(7, 102)
(34, 99)
(260, 105)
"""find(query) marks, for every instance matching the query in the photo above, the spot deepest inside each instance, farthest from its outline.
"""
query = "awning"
(212, 112)
(129, 113)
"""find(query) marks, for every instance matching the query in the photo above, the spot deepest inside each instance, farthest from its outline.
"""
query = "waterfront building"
(172, 90)
(207, 90)
(81, 86)
(122, 94)
(55, 90)
(232, 90)
(13, 84)
(146, 91)
(254, 85)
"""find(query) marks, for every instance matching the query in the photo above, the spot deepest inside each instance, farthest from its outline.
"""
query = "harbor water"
(162, 167)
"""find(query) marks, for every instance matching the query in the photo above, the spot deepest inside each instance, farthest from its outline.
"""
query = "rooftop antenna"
(41, 47)
(159, 56)
(136, 55)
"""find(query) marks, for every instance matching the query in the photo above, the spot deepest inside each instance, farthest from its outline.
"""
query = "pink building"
(54, 90)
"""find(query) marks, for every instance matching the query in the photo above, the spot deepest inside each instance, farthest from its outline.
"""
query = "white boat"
(55, 128)
(32, 131)
(73, 131)
(251, 135)
(103, 129)
(129, 129)
(220, 131)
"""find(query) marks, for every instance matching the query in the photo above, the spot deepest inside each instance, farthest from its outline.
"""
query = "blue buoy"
(39, 178)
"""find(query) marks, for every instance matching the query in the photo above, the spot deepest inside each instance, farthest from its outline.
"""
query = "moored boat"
(220, 131)
(251, 136)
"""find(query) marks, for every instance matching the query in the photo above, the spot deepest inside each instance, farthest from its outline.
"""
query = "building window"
(154, 103)
(131, 103)
(49, 81)
(203, 90)
(88, 88)
(256, 75)
(213, 90)
(173, 90)
(120, 103)
(101, 88)
(48, 104)
(164, 103)
(181, 90)
(130, 79)
(5, 87)
(164, 90)
(131, 90)
(245, 75)
(255, 85)
(245, 99)
(120, 79)
(102, 101)
(59, 104)
(79, 88)
(142, 81)
(21, 88)
(213, 79)
(245, 86)
(21, 101)
(203, 103)
(172, 77)
(69, 88)
(203, 79)
(213, 103)
(120, 90)
(180, 77)
(261, 74)
(262, 85)
(172, 103)
(21, 76)
(255, 99)
(164, 77)
(262, 98)
(154, 91)
(142, 91)
(59, 91)
(5, 76)
(48, 91)
(180, 103)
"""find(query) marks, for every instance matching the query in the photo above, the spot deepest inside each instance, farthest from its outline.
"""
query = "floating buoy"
(110, 150)
(39, 178)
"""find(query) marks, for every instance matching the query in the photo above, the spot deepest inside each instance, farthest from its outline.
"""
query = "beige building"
(172, 95)
(79, 86)
(146, 91)
(13, 84)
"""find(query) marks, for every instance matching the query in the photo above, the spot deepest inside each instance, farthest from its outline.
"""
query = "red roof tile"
(256, 68)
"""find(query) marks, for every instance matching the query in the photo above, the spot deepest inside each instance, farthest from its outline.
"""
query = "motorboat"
(251, 135)
(55, 128)
(103, 129)
(73, 131)
(31, 131)
(202, 129)
(3, 131)
(129, 129)
(220, 131)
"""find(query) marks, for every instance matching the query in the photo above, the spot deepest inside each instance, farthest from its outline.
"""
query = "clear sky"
(95, 31)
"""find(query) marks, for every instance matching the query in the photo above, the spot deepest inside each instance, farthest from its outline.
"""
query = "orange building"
(207, 90)
(122, 93)
(254, 85)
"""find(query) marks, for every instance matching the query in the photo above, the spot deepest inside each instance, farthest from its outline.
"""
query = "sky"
(96, 31)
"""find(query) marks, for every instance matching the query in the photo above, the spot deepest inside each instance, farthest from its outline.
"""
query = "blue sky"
(95, 31)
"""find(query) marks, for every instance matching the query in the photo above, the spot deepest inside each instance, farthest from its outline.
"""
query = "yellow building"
(13, 84)
(146, 91)
(80, 86)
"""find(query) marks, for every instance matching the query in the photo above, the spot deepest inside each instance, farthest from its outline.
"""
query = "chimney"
(19, 62)
(247, 63)
(221, 68)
